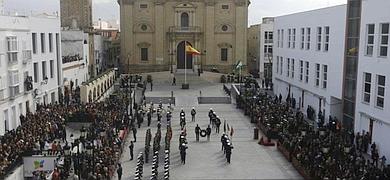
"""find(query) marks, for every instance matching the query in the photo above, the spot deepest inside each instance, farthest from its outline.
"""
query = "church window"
(224, 28)
(185, 22)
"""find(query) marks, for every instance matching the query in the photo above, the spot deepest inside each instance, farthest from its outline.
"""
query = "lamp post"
(201, 60)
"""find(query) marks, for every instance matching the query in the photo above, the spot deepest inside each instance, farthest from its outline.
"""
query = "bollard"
(255, 133)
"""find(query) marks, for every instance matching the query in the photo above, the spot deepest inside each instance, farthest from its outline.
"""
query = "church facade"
(154, 34)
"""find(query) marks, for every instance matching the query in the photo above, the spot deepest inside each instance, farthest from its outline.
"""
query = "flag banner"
(239, 65)
(191, 50)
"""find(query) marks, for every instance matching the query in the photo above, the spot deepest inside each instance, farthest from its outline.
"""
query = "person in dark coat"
(228, 150)
(208, 131)
(193, 113)
(135, 134)
(119, 171)
(183, 153)
(131, 147)
(218, 124)
(197, 132)
(149, 114)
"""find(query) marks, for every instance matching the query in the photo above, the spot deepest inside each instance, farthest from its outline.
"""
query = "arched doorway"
(181, 48)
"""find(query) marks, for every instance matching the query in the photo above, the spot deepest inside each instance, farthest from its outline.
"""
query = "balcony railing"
(180, 29)
(269, 41)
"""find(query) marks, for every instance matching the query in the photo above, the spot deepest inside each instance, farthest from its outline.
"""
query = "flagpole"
(185, 62)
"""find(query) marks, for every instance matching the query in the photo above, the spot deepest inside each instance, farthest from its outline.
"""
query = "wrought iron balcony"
(180, 29)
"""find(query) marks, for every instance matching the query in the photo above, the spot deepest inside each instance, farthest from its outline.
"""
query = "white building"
(46, 48)
(266, 48)
(15, 67)
(24, 64)
(373, 82)
(75, 55)
(308, 59)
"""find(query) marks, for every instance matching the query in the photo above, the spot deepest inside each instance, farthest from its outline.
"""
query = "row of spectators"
(324, 152)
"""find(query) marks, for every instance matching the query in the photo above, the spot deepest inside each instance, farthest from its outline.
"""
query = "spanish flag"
(191, 50)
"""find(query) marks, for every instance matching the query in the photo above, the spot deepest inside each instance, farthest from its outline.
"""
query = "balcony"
(269, 41)
(27, 56)
(189, 29)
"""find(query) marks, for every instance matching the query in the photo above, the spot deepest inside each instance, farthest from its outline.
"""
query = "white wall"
(373, 12)
(334, 17)
(46, 25)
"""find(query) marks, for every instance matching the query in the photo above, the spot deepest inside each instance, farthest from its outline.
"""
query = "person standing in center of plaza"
(197, 132)
(193, 113)
(208, 131)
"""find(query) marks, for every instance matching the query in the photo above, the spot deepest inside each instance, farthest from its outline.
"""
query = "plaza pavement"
(205, 160)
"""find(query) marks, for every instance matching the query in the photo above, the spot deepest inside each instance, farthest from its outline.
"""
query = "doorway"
(371, 130)
(181, 48)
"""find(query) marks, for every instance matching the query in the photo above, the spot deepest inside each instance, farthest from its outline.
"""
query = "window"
(50, 42)
(380, 96)
(185, 22)
(277, 64)
(143, 6)
(12, 47)
(326, 43)
(268, 37)
(278, 38)
(370, 39)
(36, 72)
(307, 72)
(302, 38)
(317, 74)
(282, 39)
(225, 6)
(319, 38)
(43, 42)
(289, 38)
(324, 76)
(292, 68)
(267, 49)
(288, 67)
(44, 70)
(301, 70)
(293, 38)
(308, 38)
(384, 40)
(281, 65)
(51, 68)
(367, 87)
(34, 42)
(14, 83)
(144, 54)
(224, 54)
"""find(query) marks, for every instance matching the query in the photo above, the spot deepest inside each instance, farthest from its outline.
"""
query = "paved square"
(205, 160)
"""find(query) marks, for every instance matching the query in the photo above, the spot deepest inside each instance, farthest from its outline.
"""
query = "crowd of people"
(326, 151)
(43, 133)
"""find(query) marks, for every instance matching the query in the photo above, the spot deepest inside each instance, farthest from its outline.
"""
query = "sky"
(109, 9)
